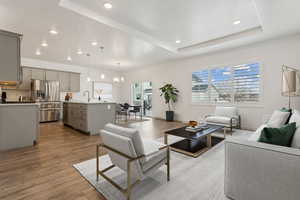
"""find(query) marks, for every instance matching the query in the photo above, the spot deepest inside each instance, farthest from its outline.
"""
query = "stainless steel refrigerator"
(47, 94)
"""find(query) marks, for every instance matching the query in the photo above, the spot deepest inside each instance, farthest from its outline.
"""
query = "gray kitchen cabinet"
(74, 82)
(52, 75)
(38, 74)
(10, 56)
(26, 79)
(88, 117)
(64, 80)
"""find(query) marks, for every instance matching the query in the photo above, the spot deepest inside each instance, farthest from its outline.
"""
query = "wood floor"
(45, 171)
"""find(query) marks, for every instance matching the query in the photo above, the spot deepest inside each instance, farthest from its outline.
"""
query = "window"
(230, 84)
(104, 90)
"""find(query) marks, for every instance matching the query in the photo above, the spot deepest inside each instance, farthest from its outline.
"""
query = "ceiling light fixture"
(116, 80)
(44, 44)
(94, 43)
(177, 41)
(79, 52)
(107, 6)
(102, 76)
(236, 22)
(88, 79)
(38, 52)
(53, 32)
(69, 58)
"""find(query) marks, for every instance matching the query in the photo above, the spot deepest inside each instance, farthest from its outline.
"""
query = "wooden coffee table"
(194, 144)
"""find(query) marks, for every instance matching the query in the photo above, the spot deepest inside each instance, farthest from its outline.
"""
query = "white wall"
(93, 73)
(272, 54)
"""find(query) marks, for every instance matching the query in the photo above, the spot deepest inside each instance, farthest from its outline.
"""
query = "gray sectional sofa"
(260, 171)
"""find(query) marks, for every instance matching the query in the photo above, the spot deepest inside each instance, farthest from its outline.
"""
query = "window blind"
(231, 84)
(200, 86)
(246, 80)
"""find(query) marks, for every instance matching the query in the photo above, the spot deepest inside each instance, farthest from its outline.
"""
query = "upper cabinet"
(9, 56)
(69, 81)
(74, 82)
(38, 74)
(64, 81)
(26, 79)
(52, 75)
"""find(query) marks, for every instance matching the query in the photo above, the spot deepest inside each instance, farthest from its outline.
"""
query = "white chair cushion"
(151, 146)
(226, 111)
(124, 145)
(133, 134)
(155, 156)
(255, 136)
(219, 120)
(278, 119)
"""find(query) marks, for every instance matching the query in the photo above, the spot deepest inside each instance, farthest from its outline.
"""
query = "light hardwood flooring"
(45, 171)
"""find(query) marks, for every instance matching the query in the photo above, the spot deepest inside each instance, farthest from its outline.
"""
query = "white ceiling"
(142, 32)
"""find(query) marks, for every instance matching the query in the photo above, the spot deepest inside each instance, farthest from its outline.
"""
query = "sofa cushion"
(296, 139)
(278, 119)
(219, 120)
(279, 136)
(226, 111)
(295, 117)
(255, 136)
(133, 134)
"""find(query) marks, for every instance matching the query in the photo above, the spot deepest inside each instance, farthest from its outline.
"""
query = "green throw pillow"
(279, 136)
(285, 110)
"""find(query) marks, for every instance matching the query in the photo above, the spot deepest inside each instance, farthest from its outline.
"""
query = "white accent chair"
(225, 116)
(137, 157)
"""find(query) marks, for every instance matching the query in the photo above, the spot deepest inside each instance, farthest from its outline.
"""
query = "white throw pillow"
(255, 136)
(278, 119)
(295, 117)
(296, 139)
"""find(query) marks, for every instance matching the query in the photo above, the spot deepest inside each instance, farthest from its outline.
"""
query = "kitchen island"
(88, 117)
(19, 125)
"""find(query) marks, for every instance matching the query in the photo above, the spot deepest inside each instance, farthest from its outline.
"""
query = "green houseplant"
(170, 94)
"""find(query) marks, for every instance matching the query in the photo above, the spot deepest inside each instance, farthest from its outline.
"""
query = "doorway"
(142, 96)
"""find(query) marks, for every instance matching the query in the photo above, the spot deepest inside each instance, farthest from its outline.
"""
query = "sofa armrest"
(256, 170)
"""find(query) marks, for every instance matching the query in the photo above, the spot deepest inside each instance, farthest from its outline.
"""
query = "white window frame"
(259, 103)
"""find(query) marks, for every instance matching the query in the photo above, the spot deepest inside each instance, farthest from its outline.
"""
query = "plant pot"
(169, 116)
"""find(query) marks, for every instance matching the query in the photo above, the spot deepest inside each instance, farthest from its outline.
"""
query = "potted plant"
(170, 94)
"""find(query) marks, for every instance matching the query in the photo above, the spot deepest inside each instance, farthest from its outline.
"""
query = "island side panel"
(99, 115)
(19, 126)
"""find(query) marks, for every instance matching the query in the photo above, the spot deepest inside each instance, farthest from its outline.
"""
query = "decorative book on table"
(196, 128)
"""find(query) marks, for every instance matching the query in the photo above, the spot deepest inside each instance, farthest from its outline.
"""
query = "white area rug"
(199, 178)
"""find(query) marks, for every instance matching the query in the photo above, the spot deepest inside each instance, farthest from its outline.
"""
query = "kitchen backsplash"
(13, 95)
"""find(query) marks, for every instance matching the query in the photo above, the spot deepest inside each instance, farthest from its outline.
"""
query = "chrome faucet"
(86, 91)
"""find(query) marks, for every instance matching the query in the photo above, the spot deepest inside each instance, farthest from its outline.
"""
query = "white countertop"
(91, 102)
(18, 104)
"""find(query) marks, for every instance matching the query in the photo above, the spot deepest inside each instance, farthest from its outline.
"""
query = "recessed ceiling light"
(53, 32)
(69, 58)
(236, 22)
(94, 43)
(107, 5)
(102, 76)
(122, 79)
(177, 41)
(79, 52)
(38, 52)
(44, 44)
(88, 79)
